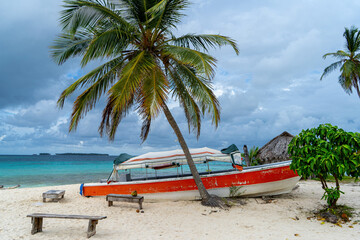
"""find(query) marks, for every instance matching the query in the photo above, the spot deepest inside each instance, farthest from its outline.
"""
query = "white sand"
(177, 220)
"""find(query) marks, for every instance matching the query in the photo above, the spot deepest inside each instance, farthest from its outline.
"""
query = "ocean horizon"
(63, 169)
(52, 170)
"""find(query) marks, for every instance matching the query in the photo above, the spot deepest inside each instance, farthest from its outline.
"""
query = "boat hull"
(272, 179)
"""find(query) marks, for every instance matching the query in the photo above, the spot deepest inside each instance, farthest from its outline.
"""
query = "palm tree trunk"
(205, 196)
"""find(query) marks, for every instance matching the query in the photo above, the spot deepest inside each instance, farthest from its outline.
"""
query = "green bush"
(326, 151)
(252, 156)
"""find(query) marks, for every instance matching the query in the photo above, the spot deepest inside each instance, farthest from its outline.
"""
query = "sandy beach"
(285, 217)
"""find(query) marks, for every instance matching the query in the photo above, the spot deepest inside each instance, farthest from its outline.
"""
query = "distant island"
(87, 154)
(43, 154)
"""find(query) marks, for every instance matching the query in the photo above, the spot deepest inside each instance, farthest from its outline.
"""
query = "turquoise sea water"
(52, 170)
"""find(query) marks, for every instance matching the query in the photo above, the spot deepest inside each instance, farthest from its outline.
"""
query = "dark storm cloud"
(271, 87)
(27, 30)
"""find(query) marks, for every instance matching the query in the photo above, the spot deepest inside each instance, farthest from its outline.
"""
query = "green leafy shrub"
(252, 156)
(326, 151)
(234, 191)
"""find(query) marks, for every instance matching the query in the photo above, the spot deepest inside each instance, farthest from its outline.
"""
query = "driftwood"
(3, 188)
(124, 198)
(37, 221)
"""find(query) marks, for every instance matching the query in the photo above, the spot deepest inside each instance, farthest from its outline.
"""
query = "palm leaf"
(201, 90)
(345, 84)
(68, 45)
(122, 93)
(191, 109)
(113, 114)
(203, 63)
(87, 100)
(107, 44)
(166, 14)
(87, 13)
(101, 76)
(352, 39)
(204, 41)
(339, 54)
(332, 67)
(153, 95)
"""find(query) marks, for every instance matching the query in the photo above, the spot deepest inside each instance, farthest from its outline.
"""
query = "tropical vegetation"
(326, 151)
(145, 66)
(348, 62)
(254, 160)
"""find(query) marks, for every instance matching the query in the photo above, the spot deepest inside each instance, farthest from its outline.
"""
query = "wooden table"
(37, 221)
(124, 198)
(55, 195)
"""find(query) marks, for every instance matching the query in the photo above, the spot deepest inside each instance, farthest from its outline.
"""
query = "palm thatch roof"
(276, 149)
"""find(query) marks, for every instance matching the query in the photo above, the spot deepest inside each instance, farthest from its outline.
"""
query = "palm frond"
(102, 76)
(87, 100)
(339, 55)
(345, 84)
(191, 109)
(166, 14)
(107, 44)
(332, 67)
(204, 41)
(352, 39)
(132, 75)
(357, 57)
(122, 93)
(68, 45)
(348, 69)
(152, 96)
(88, 13)
(201, 91)
(136, 10)
(113, 114)
(202, 62)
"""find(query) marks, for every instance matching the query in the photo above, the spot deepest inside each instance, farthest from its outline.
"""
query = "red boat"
(262, 180)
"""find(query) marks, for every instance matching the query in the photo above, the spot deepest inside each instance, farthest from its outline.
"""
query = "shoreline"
(255, 219)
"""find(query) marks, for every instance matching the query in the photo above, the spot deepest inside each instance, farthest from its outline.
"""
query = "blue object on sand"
(81, 189)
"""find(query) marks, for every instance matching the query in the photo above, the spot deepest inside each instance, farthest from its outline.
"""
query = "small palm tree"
(252, 156)
(349, 62)
(146, 65)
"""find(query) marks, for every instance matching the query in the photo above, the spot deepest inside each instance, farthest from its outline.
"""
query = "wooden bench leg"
(37, 223)
(44, 199)
(140, 203)
(110, 203)
(91, 228)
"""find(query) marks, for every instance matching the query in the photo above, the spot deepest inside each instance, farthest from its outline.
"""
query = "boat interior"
(128, 178)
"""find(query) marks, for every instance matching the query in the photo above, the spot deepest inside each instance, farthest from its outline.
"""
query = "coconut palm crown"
(145, 64)
(348, 62)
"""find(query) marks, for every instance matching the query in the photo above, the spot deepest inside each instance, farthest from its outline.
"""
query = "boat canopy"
(174, 158)
(122, 158)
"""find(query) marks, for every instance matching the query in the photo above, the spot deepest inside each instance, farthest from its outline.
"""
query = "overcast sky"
(271, 87)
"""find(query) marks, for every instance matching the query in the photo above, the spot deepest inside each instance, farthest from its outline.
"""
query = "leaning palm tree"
(348, 61)
(145, 66)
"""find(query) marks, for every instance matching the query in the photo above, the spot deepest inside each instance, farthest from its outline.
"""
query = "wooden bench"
(37, 221)
(124, 198)
(55, 195)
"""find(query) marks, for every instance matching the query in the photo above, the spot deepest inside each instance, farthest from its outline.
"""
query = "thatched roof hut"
(276, 149)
